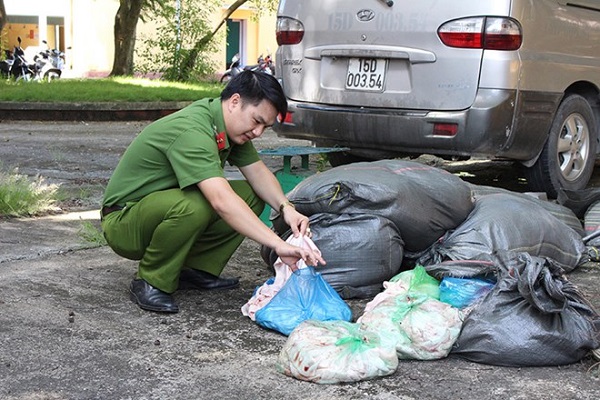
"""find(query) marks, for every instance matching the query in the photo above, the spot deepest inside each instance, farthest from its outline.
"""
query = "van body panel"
(560, 45)
(502, 101)
(486, 129)
(404, 36)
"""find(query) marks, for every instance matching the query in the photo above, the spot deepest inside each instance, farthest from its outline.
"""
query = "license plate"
(366, 74)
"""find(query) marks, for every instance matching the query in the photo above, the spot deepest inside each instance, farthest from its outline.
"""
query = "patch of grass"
(90, 234)
(22, 197)
(106, 90)
(69, 197)
(322, 162)
(65, 194)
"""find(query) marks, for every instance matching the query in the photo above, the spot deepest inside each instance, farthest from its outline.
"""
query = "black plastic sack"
(422, 201)
(503, 222)
(533, 317)
(484, 268)
(578, 200)
(361, 252)
(559, 211)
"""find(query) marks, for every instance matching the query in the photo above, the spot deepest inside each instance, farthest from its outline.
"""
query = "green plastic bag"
(419, 282)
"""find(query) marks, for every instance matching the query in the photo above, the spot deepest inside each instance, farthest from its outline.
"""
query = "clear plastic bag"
(334, 352)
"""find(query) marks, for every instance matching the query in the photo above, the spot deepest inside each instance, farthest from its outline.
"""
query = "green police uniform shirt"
(178, 150)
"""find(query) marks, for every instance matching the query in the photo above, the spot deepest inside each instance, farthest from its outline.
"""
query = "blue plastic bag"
(462, 292)
(306, 295)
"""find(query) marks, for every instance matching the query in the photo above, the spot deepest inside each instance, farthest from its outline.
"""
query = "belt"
(107, 210)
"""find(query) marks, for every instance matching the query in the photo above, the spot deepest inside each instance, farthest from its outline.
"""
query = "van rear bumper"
(501, 124)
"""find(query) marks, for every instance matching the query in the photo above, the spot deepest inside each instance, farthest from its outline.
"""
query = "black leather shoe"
(196, 279)
(150, 298)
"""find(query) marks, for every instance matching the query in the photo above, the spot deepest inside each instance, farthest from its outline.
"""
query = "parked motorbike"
(234, 69)
(6, 64)
(264, 65)
(16, 66)
(49, 64)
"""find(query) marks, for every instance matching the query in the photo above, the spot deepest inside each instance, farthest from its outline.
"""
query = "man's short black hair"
(255, 87)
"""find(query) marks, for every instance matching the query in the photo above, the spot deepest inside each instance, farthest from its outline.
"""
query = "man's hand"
(296, 221)
(290, 255)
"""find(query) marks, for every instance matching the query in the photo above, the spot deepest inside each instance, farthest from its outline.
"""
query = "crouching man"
(169, 205)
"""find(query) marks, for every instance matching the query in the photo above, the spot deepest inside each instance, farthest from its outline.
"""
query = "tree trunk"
(187, 64)
(2, 15)
(126, 21)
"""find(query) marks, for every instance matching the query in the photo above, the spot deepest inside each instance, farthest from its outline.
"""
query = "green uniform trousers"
(174, 229)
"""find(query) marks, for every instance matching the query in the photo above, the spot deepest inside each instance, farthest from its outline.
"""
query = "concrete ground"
(69, 331)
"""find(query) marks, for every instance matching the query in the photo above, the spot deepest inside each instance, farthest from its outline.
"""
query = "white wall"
(90, 34)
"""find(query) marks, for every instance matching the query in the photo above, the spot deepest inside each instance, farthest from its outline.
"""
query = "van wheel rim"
(573, 147)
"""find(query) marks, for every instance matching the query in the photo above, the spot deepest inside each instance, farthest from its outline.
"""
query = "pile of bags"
(527, 314)
(405, 321)
(470, 270)
(366, 216)
(373, 219)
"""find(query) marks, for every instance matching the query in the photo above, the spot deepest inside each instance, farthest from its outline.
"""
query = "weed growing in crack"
(21, 196)
(90, 234)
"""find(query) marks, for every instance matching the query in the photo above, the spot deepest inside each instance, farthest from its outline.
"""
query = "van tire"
(568, 158)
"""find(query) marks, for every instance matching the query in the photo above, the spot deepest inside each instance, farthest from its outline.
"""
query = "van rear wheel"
(567, 160)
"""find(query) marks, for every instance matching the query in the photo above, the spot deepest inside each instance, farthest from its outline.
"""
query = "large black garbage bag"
(479, 268)
(578, 200)
(558, 210)
(533, 317)
(423, 201)
(502, 222)
(362, 251)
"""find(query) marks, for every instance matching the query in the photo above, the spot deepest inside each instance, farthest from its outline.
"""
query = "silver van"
(499, 79)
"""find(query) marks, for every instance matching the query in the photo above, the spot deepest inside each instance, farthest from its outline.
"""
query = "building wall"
(92, 37)
(87, 34)
(260, 36)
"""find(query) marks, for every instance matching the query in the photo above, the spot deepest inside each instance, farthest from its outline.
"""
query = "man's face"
(245, 121)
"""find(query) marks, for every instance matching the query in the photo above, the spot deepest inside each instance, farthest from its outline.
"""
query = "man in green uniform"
(169, 205)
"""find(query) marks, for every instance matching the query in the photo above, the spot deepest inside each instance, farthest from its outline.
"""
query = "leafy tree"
(188, 63)
(178, 30)
(186, 59)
